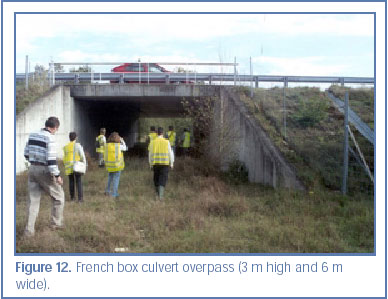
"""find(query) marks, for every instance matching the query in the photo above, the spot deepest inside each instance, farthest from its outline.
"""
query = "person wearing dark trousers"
(73, 152)
(160, 158)
(185, 141)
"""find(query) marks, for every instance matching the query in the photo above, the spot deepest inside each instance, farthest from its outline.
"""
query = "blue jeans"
(114, 179)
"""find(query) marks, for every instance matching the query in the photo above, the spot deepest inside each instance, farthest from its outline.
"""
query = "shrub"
(237, 172)
(310, 112)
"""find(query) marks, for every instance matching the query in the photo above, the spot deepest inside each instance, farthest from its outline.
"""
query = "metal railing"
(200, 77)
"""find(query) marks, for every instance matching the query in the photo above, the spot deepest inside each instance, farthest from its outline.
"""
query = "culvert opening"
(131, 117)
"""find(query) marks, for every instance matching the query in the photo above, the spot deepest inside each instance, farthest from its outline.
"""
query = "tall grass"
(202, 213)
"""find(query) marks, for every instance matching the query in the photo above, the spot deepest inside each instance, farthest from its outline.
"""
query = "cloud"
(307, 66)
(148, 29)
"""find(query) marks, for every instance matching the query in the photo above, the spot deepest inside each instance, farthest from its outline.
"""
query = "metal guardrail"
(202, 77)
(362, 127)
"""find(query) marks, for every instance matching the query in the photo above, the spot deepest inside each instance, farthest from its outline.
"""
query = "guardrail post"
(346, 145)
(342, 81)
(52, 73)
(167, 79)
(26, 77)
(121, 80)
(251, 75)
(210, 80)
(284, 107)
(76, 78)
(235, 71)
(256, 81)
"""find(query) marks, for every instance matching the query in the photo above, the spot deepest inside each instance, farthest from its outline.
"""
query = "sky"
(278, 44)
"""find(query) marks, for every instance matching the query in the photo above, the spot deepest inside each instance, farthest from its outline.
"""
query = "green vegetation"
(178, 123)
(37, 87)
(202, 213)
(314, 135)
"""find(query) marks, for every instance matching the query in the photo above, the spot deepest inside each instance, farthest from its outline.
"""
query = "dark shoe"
(72, 198)
(81, 200)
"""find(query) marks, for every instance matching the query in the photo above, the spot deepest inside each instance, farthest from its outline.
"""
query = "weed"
(199, 214)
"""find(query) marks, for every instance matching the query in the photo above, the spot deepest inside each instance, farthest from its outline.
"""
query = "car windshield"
(155, 69)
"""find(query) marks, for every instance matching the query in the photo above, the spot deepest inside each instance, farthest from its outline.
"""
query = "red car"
(143, 68)
(135, 66)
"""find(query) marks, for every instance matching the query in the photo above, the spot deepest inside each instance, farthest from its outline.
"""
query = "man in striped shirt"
(44, 175)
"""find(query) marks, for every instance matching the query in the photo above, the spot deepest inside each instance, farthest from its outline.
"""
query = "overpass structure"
(85, 108)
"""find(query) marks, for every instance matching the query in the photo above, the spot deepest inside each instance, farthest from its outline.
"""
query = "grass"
(37, 88)
(314, 134)
(203, 213)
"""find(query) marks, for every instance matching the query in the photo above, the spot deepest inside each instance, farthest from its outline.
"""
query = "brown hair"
(114, 137)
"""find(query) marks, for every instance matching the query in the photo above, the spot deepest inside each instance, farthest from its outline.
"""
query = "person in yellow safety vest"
(185, 141)
(100, 147)
(73, 152)
(160, 157)
(171, 136)
(114, 163)
(151, 136)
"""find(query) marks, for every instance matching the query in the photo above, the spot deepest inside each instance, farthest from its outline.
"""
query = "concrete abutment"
(85, 108)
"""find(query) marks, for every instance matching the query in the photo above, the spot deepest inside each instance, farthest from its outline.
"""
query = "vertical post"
(342, 81)
(52, 72)
(139, 71)
(284, 107)
(195, 74)
(187, 74)
(148, 73)
(346, 145)
(251, 74)
(235, 71)
(26, 75)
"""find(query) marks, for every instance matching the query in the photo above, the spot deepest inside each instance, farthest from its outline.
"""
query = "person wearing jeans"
(114, 164)
(113, 181)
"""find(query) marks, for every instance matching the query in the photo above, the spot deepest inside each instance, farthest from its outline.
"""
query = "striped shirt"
(41, 149)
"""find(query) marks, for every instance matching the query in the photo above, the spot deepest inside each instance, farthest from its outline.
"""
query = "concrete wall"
(56, 103)
(238, 135)
(142, 90)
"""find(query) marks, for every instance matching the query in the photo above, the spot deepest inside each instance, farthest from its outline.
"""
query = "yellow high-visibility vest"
(171, 137)
(186, 141)
(159, 152)
(114, 158)
(69, 156)
(101, 148)
(152, 137)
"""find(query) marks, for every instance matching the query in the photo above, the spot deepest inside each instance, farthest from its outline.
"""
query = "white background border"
(363, 276)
